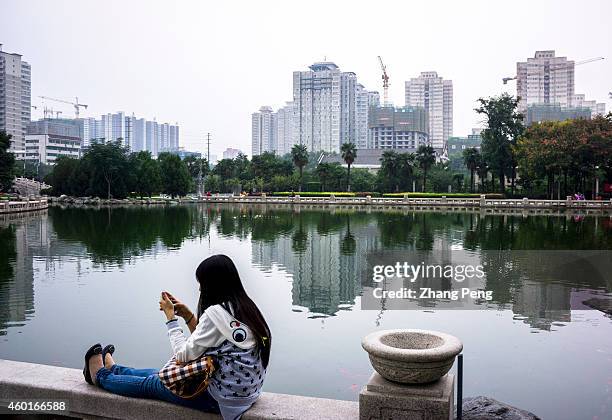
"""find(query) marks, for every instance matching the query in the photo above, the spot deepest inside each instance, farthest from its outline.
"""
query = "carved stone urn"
(411, 356)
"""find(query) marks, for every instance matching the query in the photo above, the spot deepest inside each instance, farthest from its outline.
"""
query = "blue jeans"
(144, 383)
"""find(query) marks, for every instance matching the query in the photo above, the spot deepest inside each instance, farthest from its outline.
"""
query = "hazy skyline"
(209, 66)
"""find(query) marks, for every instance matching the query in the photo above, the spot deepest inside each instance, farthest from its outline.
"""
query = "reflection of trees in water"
(535, 233)
(7, 260)
(7, 253)
(114, 235)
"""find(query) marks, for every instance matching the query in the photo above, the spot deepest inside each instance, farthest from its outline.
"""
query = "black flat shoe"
(93, 350)
(110, 349)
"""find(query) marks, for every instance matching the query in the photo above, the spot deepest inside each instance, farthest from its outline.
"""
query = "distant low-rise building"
(231, 153)
(186, 153)
(366, 159)
(48, 139)
(404, 128)
(456, 145)
(597, 108)
(554, 112)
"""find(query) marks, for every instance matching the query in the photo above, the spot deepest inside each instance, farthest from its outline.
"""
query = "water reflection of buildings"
(17, 291)
(326, 268)
(542, 304)
(330, 269)
(34, 240)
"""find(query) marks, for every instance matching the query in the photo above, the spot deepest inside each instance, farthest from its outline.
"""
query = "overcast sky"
(208, 65)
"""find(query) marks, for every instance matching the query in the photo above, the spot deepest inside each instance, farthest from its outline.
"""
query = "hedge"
(377, 194)
(312, 194)
(439, 195)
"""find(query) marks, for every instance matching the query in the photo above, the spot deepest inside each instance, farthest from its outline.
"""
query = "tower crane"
(76, 104)
(590, 60)
(385, 79)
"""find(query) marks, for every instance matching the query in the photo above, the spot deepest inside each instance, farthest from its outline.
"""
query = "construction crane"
(76, 104)
(385, 79)
(590, 60)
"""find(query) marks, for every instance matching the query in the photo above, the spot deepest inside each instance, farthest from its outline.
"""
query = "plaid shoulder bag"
(187, 380)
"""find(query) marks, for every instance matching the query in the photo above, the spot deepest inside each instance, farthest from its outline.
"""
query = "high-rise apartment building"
(136, 133)
(152, 137)
(15, 99)
(435, 94)
(263, 131)
(329, 108)
(325, 102)
(362, 106)
(138, 130)
(545, 79)
(285, 138)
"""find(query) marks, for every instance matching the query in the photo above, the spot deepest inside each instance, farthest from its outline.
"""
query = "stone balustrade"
(21, 206)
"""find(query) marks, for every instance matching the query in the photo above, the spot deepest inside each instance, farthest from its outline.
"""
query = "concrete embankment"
(20, 380)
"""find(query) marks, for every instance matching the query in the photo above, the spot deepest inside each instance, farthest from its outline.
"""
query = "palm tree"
(323, 171)
(406, 165)
(471, 157)
(389, 169)
(299, 154)
(483, 171)
(426, 157)
(349, 153)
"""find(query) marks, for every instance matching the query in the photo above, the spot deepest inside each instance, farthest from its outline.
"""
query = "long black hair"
(220, 284)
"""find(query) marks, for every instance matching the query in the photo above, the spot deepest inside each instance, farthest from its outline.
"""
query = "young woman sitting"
(228, 327)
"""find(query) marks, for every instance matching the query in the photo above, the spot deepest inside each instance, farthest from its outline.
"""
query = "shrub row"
(313, 194)
(438, 195)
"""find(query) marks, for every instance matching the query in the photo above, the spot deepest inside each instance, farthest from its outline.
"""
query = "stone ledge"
(19, 380)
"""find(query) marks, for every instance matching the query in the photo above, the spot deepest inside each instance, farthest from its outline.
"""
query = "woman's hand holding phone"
(180, 308)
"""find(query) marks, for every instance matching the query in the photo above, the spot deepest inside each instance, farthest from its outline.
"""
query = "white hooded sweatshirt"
(237, 382)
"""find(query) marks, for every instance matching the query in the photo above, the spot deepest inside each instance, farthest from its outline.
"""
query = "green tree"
(146, 174)
(471, 158)
(389, 172)
(458, 181)
(62, 177)
(197, 166)
(242, 165)
(108, 166)
(349, 154)
(212, 182)
(482, 169)
(7, 162)
(406, 162)
(324, 173)
(426, 157)
(504, 127)
(175, 176)
(299, 155)
(363, 180)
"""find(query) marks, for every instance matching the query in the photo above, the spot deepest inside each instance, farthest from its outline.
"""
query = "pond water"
(73, 277)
